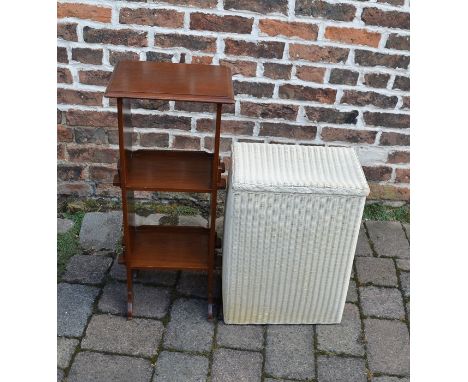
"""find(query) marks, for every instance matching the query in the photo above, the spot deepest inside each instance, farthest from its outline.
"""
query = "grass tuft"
(68, 243)
(386, 213)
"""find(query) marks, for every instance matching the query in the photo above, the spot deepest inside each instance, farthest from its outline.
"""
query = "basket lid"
(297, 169)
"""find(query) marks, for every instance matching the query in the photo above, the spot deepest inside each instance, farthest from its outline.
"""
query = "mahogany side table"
(168, 247)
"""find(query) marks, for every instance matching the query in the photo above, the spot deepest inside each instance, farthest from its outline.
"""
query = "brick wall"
(332, 72)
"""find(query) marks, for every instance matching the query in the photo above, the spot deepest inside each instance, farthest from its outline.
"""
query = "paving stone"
(148, 301)
(196, 220)
(403, 265)
(64, 225)
(115, 334)
(189, 328)
(388, 346)
(87, 269)
(345, 337)
(219, 224)
(341, 369)
(65, 349)
(164, 278)
(249, 337)
(382, 302)
(407, 229)
(60, 375)
(179, 367)
(352, 292)
(278, 380)
(196, 283)
(388, 238)
(236, 366)
(74, 306)
(407, 305)
(376, 271)
(289, 351)
(95, 367)
(389, 379)
(101, 230)
(363, 247)
(405, 283)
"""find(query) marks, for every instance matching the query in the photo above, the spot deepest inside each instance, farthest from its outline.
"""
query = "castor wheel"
(210, 312)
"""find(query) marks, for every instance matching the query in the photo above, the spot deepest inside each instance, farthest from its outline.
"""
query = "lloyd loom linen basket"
(292, 221)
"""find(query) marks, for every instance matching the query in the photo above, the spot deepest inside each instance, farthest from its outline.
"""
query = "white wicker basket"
(291, 226)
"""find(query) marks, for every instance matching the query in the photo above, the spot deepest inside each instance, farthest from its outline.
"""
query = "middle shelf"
(169, 170)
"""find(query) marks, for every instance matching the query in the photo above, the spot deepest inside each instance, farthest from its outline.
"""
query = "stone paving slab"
(345, 337)
(376, 271)
(382, 302)
(148, 301)
(289, 351)
(64, 225)
(180, 367)
(113, 334)
(156, 277)
(188, 328)
(87, 269)
(60, 375)
(388, 346)
(389, 239)
(389, 379)
(403, 265)
(248, 337)
(95, 367)
(74, 306)
(196, 284)
(236, 366)
(405, 283)
(406, 226)
(65, 349)
(363, 247)
(341, 369)
(101, 230)
(352, 292)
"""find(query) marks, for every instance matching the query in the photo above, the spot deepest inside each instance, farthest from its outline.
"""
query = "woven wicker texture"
(288, 255)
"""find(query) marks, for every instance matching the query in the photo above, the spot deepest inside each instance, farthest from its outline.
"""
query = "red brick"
(91, 118)
(399, 42)
(305, 31)
(215, 23)
(376, 80)
(269, 110)
(343, 77)
(259, 49)
(224, 144)
(186, 142)
(402, 175)
(167, 18)
(78, 97)
(74, 189)
(193, 3)
(67, 31)
(64, 134)
(102, 174)
(160, 121)
(392, 2)
(397, 121)
(195, 107)
(398, 157)
(93, 154)
(200, 43)
(128, 37)
(149, 104)
(401, 83)
(254, 89)
(330, 134)
(94, 77)
(353, 36)
(107, 190)
(322, 114)
(322, 9)
(288, 131)
(95, 135)
(259, 6)
(389, 19)
(277, 71)
(64, 76)
(358, 98)
(60, 151)
(388, 192)
(87, 55)
(366, 58)
(303, 93)
(406, 103)
(394, 139)
(377, 173)
(62, 55)
(310, 73)
(154, 139)
(69, 172)
(116, 56)
(227, 126)
(158, 57)
(316, 53)
(59, 116)
(84, 11)
(245, 68)
(205, 60)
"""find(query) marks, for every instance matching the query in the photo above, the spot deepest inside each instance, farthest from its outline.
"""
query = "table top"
(168, 81)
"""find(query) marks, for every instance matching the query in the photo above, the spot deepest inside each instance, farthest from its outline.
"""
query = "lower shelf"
(167, 247)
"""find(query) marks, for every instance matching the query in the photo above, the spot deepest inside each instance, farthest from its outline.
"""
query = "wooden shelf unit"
(168, 247)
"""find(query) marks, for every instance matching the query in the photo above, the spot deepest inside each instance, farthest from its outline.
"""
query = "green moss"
(381, 212)
(68, 243)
